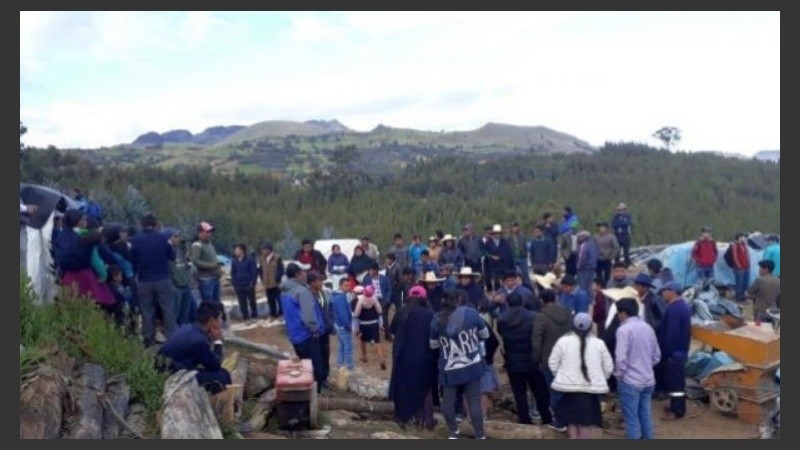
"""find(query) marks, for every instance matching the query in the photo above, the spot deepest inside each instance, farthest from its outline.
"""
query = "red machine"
(296, 394)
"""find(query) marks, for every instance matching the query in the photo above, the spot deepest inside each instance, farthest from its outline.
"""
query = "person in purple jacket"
(637, 352)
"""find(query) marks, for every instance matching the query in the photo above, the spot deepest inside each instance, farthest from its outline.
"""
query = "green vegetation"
(77, 327)
(671, 195)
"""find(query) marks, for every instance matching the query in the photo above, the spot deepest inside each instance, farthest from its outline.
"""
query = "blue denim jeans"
(742, 280)
(636, 410)
(555, 396)
(344, 355)
(184, 302)
(209, 290)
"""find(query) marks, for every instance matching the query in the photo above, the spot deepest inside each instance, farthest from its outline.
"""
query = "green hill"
(301, 148)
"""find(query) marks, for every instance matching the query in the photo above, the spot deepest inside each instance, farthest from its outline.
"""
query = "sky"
(91, 79)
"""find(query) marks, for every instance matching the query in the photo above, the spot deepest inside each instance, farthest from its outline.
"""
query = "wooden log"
(117, 395)
(504, 430)
(41, 402)
(355, 405)
(91, 385)
(186, 412)
(268, 350)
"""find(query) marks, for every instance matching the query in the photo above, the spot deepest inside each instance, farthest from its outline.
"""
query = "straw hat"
(466, 271)
(616, 294)
(430, 277)
(448, 237)
(547, 280)
(497, 228)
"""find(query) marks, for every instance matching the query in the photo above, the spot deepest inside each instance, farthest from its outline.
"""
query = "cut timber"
(504, 430)
(187, 412)
(91, 385)
(268, 350)
(355, 405)
(41, 404)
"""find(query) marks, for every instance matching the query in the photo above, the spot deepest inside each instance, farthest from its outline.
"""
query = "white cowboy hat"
(448, 237)
(430, 277)
(466, 271)
(547, 280)
(497, 228)
(616, 294)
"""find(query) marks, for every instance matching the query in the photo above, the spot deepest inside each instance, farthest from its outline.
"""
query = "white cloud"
(609, 76)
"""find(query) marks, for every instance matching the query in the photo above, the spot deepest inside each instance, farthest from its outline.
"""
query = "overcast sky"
(103, 78)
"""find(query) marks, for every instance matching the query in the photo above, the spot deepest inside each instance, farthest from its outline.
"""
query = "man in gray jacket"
(608, 248)
(471, 247)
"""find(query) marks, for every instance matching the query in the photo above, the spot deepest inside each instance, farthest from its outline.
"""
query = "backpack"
(728, 256)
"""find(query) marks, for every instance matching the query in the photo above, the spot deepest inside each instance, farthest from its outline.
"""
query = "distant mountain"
(768, 155)
(319, 145)
(209, 136)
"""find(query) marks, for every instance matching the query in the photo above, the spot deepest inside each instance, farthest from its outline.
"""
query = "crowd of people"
(559, 306)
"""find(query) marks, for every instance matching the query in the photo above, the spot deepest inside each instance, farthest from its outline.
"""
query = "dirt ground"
(701, 421)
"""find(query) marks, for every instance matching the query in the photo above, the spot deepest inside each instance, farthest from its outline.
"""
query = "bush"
(79, 328)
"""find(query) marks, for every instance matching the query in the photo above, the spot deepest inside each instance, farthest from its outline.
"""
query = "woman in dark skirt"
(413, 384)
(581, 364)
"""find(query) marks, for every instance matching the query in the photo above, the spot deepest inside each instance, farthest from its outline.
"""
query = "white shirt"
(565, 363)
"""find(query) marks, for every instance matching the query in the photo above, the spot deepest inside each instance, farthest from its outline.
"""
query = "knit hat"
(582, 321)
(418, 291)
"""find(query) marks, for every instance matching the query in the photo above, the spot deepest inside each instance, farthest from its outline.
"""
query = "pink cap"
(418, 291)
(369, 291)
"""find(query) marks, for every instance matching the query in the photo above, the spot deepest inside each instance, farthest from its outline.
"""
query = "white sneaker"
(455, 435)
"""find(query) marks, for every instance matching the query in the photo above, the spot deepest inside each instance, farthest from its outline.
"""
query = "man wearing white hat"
(469, 282)
(499, 256)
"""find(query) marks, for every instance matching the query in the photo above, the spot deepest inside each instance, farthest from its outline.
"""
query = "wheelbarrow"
(296, 394)
(746, 388)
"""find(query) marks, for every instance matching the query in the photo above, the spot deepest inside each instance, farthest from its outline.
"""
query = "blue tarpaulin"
(678, 258)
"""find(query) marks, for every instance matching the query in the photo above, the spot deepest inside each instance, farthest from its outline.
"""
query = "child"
(342, 320)
(122, 294)
(367, 324)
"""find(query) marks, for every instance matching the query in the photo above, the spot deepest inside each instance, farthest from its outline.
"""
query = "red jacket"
(705, 252)
(741, 258)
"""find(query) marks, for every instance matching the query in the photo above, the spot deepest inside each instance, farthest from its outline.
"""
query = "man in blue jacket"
(244, 275)
(674, 336)
(151, 254)
(343, 323)
(573, 297)
(198, 346)
(383, 293)
(621, 223)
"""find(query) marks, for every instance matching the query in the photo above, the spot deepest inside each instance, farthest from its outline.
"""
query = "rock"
(390, 435)
(341, 418)
(261, 373)
(186, 412)
(322, 433)
(262, 410)
(42, 404)
(367, 386)
(90, 381)
(137, 420)
(118, 394)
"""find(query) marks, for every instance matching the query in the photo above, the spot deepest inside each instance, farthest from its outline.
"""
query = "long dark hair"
(449, 304)
(582, 334)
